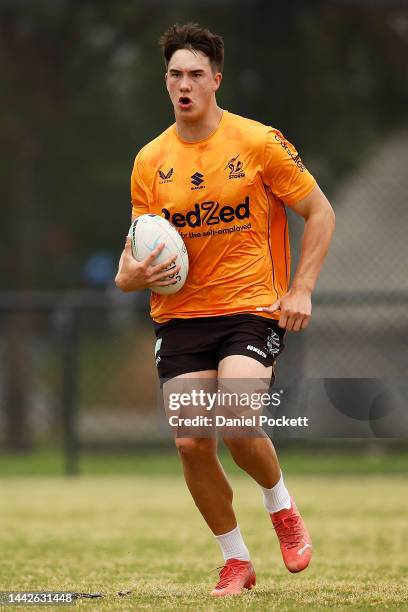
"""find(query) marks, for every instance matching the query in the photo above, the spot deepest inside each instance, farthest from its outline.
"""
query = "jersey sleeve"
(138, 191)
(284, 171)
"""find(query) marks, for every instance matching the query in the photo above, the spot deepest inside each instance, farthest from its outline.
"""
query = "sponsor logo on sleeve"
(296, 157)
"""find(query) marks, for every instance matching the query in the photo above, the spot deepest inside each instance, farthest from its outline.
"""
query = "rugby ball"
(146, 233)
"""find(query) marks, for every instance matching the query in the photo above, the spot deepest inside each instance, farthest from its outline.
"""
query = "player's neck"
(193, 131)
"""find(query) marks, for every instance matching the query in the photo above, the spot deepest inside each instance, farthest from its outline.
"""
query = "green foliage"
(83, 91)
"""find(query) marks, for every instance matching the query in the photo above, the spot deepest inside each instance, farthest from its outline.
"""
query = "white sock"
(233, 546)
(277, 498)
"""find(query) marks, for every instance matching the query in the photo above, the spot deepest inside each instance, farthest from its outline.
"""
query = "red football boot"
(235, 576)
(294, 538)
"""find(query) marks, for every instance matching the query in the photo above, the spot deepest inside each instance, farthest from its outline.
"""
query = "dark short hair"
(192, 36)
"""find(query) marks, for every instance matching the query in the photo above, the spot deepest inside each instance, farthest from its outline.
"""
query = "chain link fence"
(78, 367)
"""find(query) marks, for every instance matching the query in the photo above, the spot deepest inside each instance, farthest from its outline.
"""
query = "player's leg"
(189, 348)
(257, 456)
(211, 491)
(203, 472)
(186, 359)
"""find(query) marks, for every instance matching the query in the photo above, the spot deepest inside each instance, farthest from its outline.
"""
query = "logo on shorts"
(273, 345)
(256, 350)
(235, 167)
(157, 346)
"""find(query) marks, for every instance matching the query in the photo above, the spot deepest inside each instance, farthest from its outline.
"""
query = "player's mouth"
(184, 102)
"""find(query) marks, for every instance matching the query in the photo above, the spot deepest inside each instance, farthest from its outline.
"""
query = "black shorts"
(191, 345)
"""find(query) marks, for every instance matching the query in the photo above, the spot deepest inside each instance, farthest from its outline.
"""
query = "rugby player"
(224, 181)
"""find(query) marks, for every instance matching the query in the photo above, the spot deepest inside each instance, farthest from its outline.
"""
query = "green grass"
(143, 533)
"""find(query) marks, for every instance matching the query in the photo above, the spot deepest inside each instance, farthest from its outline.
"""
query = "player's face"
(191, 84)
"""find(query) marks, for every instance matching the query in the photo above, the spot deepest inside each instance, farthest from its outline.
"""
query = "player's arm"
(133, 275)
(296, 304)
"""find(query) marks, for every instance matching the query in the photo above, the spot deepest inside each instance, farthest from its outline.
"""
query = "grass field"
(142, 533)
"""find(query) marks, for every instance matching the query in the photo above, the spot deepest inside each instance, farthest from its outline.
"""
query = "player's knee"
(193, 448)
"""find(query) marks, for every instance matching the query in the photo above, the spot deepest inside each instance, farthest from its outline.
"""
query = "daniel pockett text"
(202, 409)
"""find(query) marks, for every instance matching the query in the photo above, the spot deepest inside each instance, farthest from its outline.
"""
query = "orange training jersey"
(225, 195)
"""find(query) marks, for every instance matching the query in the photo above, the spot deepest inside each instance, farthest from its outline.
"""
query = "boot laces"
(227, 573)
(289, 531)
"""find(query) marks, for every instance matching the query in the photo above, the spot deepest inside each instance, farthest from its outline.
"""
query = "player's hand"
(134, 275)
(295, 309)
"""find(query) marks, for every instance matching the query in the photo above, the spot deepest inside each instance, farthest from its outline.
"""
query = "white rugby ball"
(146, 233)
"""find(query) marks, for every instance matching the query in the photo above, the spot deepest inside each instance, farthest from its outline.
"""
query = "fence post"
(68, 319)
(17, 379)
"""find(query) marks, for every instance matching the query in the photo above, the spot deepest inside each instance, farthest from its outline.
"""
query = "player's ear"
(217, 80)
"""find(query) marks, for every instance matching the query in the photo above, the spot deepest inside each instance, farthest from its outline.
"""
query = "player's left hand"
(295, 309)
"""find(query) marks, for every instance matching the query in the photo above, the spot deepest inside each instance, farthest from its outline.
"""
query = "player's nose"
(185, 85)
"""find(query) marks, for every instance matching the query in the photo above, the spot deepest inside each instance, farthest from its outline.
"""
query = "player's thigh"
(202, 374)
(250, 349)
(187, 391)
(202, 380)
(242, 366)
(248, 381)
(241, 374)
(187, 403)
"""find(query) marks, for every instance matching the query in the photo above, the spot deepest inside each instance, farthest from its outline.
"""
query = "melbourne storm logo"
(273, 345)
(209, 213)
(235, 167)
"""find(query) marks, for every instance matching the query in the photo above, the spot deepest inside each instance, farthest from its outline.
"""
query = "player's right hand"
(136, 275)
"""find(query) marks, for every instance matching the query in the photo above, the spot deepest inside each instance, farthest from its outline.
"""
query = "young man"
(224, 181)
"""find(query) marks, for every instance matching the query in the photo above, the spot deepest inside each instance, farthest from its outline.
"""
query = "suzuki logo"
(197, 178)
